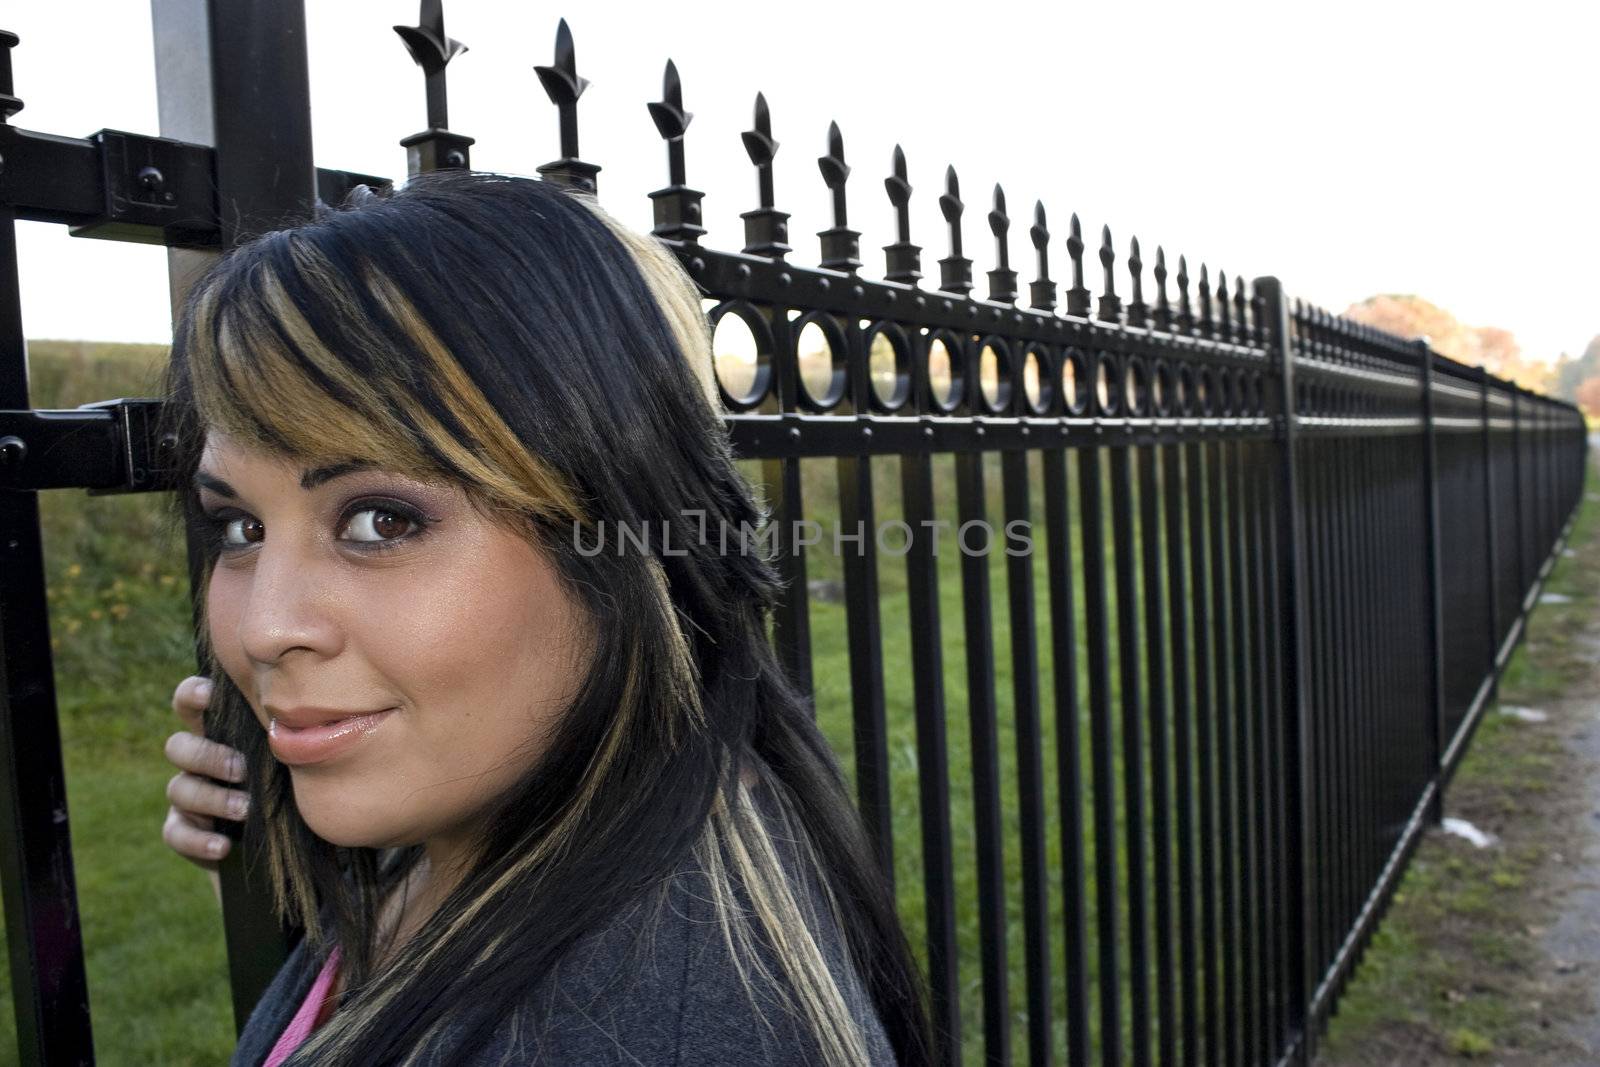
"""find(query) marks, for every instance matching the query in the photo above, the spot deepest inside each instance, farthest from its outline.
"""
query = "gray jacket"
(622, 996)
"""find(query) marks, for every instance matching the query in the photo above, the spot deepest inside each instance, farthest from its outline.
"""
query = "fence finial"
(1077, 296)
(1185, 309)
(677, 207)
(1110, 306)
(1042, 290)
(1163, 314)
(841, 246)
(563, 85)
(435, 148)
(1240, 305)
(1002, 280)
(904, 258)
(1207, 325)
(766, 229)
(955, 270)
(1224, 326)
(1138, 313)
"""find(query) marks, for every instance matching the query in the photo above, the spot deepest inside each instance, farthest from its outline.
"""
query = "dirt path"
(1492, 955)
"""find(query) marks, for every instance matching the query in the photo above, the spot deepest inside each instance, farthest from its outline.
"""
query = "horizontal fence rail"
(1277, 563)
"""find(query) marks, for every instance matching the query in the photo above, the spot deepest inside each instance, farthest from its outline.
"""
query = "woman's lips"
(318, 744)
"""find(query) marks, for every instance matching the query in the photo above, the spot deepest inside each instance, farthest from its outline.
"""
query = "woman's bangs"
(303, 382)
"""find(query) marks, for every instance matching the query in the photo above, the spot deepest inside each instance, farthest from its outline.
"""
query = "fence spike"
(1240, 306)
(1110, 306)
(766, 229)
(563, 85)
(841, 246)
(1207, 324)
(1163, 314)
(1002, 280)
(1185, 308)
(435, 148)
(904, 258)
(677, 207)
(955, 270)
(1138, 313)
(1077, 296)
(1042, 290)
(1224, 325)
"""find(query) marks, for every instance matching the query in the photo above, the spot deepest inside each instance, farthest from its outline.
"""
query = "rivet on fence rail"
(1138, 312)
(1077, 295)
(766, 229)
(1163, 312)
(563, 86)
(904, 258)
(1041, 290)
(677, 207)
(1002, 280)
(1110, 305)
(841, 246)
(435, 148)
(955, 270)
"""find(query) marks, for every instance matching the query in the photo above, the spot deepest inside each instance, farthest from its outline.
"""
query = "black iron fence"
(1279, 562)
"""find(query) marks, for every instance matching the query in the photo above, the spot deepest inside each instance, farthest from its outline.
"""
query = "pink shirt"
(305, 1020)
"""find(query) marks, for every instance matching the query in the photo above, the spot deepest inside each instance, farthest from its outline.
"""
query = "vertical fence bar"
(1030, 760)
(236, 77)
(1433, 640)
(49, 988)
(1151, 491)
(1102, 759)
(1222, 719)
(1069, 759)
(933, 761)
(1126, 559)
(1297, 845)
(985, 749)
(1206, 690)
(1173, 487)
(1240, 709)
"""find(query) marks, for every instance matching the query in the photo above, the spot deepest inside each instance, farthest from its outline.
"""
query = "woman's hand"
(197, 799)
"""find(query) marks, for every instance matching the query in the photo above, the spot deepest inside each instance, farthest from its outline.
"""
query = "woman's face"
(406, 654)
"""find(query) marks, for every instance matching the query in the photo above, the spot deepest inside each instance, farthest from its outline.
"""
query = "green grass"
(119, 620)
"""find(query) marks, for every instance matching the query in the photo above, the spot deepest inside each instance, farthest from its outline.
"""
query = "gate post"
(234, 75)
(1291, 605)
(1435, 638)
(44, 939)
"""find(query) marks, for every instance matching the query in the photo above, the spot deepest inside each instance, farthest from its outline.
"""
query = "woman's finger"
(200, 796)
(191, 842)
(189, 700)
(197, 755)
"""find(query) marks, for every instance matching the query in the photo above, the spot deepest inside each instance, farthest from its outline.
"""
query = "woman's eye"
(378, 525)
(242, 531)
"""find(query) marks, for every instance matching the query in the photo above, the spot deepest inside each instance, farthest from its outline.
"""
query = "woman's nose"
(290, 606)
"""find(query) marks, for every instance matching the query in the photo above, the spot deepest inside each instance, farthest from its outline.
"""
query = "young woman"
(531, 803)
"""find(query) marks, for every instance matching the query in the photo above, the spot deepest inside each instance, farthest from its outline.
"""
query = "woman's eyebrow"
(309, 480)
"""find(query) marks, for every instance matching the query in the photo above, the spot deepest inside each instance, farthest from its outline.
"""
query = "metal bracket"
(106, 447)
(157, 191)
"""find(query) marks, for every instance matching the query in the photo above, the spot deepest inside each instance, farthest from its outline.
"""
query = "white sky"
(1352, 148)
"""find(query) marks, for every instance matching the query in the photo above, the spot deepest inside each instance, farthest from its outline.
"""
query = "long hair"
(508, 337)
